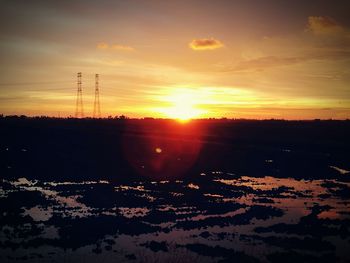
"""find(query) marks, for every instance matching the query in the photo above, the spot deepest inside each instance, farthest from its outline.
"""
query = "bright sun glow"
(183, 105)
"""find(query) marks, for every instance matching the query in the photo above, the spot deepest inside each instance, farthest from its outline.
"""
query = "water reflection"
(217, 216)
(340, 170)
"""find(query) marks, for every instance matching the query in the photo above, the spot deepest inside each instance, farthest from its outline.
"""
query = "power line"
(33, 83)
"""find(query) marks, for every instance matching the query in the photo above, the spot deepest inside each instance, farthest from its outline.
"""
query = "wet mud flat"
(159, 191)
(217, 217)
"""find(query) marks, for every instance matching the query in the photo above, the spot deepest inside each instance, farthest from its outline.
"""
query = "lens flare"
(161, 150)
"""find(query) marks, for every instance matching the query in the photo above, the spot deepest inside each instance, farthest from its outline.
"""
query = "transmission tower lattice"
(79, 109)
(97, 109)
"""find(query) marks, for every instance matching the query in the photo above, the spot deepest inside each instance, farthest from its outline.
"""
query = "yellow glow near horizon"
(183, 105)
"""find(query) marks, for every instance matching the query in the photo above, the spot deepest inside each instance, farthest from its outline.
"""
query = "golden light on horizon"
(183, 105)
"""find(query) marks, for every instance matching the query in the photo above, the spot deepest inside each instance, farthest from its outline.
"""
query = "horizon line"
(124, 117)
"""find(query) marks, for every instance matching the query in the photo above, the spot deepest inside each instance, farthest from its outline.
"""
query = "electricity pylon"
(79, 109)
(97, 109)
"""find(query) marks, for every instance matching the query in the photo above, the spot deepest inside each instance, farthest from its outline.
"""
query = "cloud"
(122, 48)
(269, 61)
(106, 46)
(102, 45)
(205, 44)
(324, 25)
(262, 63)
(328, 33)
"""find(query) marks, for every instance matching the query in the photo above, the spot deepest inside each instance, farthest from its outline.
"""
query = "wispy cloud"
(122, 47)
(269, 61)
(118, 47)
(205, 44)
(324, 25)
(102, 45)
(261, 63)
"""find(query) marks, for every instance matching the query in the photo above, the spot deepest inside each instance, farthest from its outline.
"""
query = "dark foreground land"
(121, 190)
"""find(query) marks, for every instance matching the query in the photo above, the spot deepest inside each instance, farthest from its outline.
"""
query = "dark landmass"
(117, 149)
(124, 190)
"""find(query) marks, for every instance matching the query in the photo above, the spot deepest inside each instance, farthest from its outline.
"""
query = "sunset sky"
(177, 59)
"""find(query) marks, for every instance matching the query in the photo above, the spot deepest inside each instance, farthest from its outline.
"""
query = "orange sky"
(180, 59)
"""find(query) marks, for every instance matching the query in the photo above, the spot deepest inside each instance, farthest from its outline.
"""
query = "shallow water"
(218, 216)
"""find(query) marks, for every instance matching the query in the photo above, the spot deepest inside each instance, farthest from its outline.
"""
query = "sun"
(183, 106)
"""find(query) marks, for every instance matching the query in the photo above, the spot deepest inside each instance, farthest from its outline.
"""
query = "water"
(217, 216)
